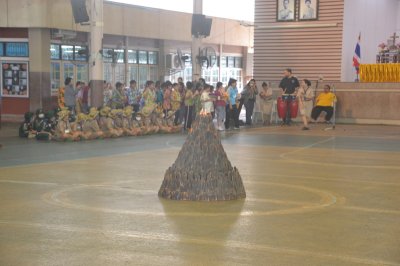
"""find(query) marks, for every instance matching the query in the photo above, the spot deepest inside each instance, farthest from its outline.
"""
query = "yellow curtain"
(380, 72)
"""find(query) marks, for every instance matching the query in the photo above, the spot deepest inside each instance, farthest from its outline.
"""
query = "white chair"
(274, 112)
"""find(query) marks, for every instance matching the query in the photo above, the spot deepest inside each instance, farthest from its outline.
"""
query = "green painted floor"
(313, 198)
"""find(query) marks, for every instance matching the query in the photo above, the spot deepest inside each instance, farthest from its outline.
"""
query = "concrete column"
(162, 70)
(220, 65)
(96, 60)
(196, 43)
(39, 69)
(127, 79)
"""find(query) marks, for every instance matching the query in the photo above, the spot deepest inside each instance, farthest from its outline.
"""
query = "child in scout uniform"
(63, 129)
(43, 132)
(176, 102)
(128, 124)
(106, 123)
(80, 121)
(26, 128)
(116, 115)
(90, 126)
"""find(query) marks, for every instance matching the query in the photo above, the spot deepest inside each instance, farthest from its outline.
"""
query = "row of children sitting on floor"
(63, 125)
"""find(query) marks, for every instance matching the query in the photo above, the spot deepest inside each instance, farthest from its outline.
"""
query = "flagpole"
(357, 58)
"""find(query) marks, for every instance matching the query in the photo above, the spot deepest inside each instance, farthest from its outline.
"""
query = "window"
(120, 73)
(1, 49)
(210, 75)
(107, 55)
(69, 71)
(132, 57)
(119, 55)
(133, 72)
(231, 61)
(188, 62)
(82, 73)
(55, 77)
(153, 73)
(55, 52)
(153, 58)
(222, 61)
(67, 52)
(143, 72)
(238, 62)
(143, 57)
(81, 53)
(107, 72)
(17, 49)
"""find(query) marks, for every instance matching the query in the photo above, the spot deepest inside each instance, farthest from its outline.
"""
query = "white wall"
(376, 20)
(398, 17)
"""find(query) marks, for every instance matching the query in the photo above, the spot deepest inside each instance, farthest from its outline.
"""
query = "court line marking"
(374, 210)
(83, 159)
(298, 161)
(341, 179)
(283, 155)
(60, 199)
(250, 199)
(29, 182)
(234, 244)
(313, 133)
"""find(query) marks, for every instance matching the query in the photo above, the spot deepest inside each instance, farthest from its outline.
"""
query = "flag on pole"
(357, 55)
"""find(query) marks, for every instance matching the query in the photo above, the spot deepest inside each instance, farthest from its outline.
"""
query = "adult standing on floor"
(306, 101)
(232, 109)
(70, 95)
(189, 105)
(265, 103)
(220, 106)
(288, 84)
(249, 95)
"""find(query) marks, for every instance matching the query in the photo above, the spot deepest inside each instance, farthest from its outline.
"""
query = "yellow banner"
(380, 72)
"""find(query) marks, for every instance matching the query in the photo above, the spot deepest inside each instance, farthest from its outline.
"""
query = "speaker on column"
(79, 10)
(201, 26)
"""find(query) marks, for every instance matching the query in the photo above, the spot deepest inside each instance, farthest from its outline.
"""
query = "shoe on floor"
(236, 128)
(305, 128)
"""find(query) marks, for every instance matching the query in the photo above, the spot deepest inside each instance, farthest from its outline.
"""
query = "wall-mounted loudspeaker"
(201, 26)
(79, 10)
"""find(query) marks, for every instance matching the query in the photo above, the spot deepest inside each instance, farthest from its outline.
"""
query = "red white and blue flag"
(357, 55)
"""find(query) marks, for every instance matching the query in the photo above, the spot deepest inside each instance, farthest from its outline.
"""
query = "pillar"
(163, 74)
(126, 57)
(96, 60)
(220, 65)
(39, 69)
(196, 43)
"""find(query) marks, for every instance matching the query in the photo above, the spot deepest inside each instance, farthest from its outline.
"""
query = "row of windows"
(212, 75)
(14, 49)
(223, 61)
(134, 56)
(79, 53)
(231, 61)
(68, 52)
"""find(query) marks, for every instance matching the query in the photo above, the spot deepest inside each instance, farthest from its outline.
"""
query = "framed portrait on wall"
(285, 10)
(15, 82)
(308, 9)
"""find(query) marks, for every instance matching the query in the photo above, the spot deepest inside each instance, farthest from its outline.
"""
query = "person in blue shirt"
(159, 93)
(231, 107)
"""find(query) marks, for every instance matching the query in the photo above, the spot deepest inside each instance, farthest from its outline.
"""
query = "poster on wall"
(308, 10)
(15, 79)
(285, 10)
